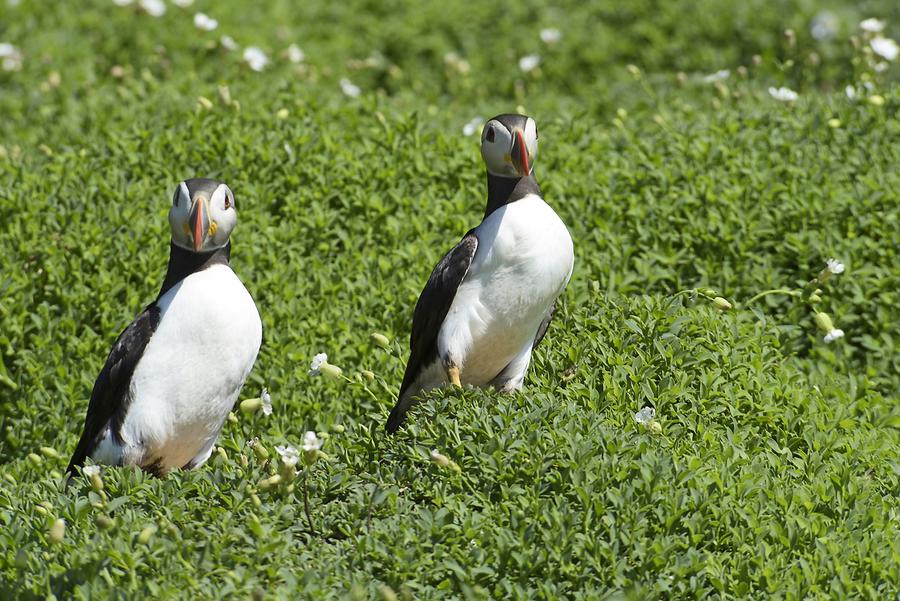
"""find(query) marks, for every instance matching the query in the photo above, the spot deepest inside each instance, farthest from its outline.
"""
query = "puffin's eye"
(535, 132)
(489, 135)
(227, 202)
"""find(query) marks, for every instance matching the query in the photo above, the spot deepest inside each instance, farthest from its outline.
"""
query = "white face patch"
(222, 214)
(500, 151)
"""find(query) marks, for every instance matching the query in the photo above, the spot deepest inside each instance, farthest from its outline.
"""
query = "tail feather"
(398, 413)
(397, 416)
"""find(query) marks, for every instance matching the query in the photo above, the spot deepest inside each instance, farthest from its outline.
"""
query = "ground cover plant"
(769, 468)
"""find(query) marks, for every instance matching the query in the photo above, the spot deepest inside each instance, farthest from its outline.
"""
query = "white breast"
(192, 369)
(523, 263)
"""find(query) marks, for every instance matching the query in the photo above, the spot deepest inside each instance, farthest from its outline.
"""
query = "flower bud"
(790, 37)
(224, 95)
(232, 418)
(332, 371)
(721, 304)
(255, 527)
(270, 482)
(57, 532)
(204, 102)
(287, 471)
(254, 498)
(443, 461)
(96, 482)
(146, 534)
(824, 322)
(103, 522)
(634, 70)
(379, 339)
(368, 375)
(223, 455)
(34, 458)
(756, 59)
(834, 123)
(258, 449)
(338, 428)
(387, 593)
(815, 298)
(655, 427)
(49, 452)
(876, 100)
(438, 458)
(250, 406)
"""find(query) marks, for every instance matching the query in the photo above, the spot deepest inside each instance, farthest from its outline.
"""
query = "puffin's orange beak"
(196, 222)
(519, 154)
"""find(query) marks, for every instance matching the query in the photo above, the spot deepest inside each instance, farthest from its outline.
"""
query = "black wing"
(431, 309)
(110, 396)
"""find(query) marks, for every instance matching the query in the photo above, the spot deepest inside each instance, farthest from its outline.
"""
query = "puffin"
(489, 301)
(175, 372)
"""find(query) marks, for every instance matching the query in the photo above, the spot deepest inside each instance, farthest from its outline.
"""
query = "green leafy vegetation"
(771, 468)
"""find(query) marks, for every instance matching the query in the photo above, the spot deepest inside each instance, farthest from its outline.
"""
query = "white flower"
(850, 91)
(295, 54)
(872, 25)
(349, 88)
(289, 455)
(472, 126)
(717, 76)
(316, 366)
(783, 94)
(255, 58)
(529, 63)
(182, 3)
(266, 401)
(10, 57)
(311, 442)
(834, 335)
(645, 415)
(154, 8)
(91, 470)
(885, 48)
(228, 42)
(834, 266)
(205, 22)
(456, 62)
(551, 35)
(824, 26)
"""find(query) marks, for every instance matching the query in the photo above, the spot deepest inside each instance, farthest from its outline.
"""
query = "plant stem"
(768, 292)
(306, 499)
(365, 387)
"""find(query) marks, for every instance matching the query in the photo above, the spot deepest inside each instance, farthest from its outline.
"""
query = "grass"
(774, 473)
